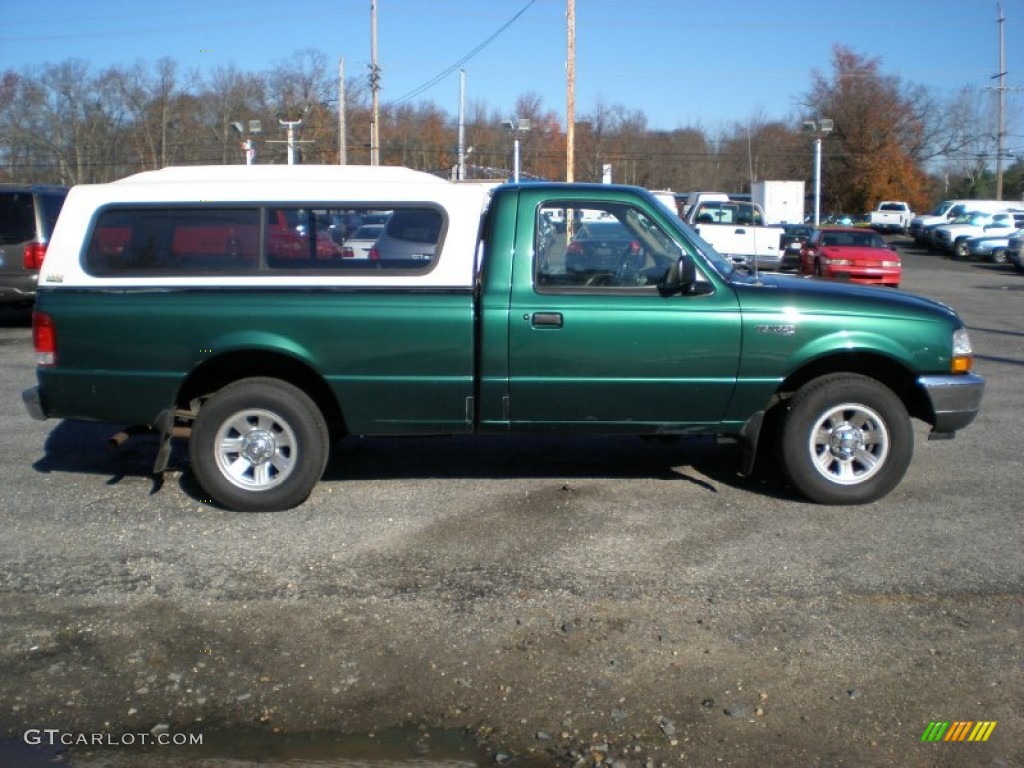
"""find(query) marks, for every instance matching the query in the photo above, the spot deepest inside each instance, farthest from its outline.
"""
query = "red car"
(856, 255)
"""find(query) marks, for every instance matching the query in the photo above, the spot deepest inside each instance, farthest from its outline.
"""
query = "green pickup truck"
(219, 304)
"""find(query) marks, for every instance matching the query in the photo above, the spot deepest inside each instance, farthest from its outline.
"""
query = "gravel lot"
(560, 602)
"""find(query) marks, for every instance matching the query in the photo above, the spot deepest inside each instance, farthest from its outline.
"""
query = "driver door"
(593, 344)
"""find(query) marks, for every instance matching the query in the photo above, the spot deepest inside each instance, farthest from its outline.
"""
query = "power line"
(458, 64)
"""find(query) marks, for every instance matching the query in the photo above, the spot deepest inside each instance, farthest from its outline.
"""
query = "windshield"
(723, 266)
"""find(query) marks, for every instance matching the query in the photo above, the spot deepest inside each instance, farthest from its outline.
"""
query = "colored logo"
(958, 730)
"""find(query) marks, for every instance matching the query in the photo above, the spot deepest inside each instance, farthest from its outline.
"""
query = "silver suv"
(27, 215)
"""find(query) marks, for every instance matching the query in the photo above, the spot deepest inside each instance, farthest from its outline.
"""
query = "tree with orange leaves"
(879, 131)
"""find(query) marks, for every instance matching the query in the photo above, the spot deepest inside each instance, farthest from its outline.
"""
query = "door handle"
(547, 320)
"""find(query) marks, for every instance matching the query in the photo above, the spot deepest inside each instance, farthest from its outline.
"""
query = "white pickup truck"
(738, 231)
(891, 216)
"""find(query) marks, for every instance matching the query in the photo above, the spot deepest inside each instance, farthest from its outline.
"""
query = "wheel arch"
(219, 371)
(901, 380)
(893, 374)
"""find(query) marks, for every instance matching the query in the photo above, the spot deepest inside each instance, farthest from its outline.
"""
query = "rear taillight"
(44, 339)
(575, 248)
(373, 254)
(34, 253)
(634, 248)
(347, 252)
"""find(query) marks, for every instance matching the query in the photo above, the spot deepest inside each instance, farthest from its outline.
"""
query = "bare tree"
(232, 96)
(303, 88)
(972, 144)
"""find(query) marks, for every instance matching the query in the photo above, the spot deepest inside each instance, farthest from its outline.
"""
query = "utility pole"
(460, 169)
(342, 127)
(1002, 105)
(374, 88)
(1001, 90)
(570, 92)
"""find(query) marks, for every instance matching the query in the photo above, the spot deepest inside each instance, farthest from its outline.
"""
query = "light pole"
(516, 126)
(290, 125)
(821, 128)
(247, 144)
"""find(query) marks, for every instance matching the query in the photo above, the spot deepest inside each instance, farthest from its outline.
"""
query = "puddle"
(399, 748)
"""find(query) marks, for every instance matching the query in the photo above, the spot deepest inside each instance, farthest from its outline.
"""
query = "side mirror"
(680, 277)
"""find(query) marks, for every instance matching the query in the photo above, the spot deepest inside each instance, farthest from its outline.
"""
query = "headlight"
(963, 355)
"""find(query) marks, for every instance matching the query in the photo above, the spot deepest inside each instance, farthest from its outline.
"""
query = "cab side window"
(599, 247)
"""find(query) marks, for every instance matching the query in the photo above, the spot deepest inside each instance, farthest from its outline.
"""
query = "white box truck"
(781, 201)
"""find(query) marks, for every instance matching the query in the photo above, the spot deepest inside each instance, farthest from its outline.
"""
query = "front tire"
(846, 439)
(259, 445)
(999, 256)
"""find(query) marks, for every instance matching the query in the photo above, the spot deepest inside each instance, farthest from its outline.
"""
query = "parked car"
(839, 220)
(947, 237)
(1013, 250)
(28, 213)
(985, 248)
(599, 249)
(362, 240)
(738, 230)
(796, 235)
(296, 236)
(891, 216)
(409, 238)
(856, 255)
(375, 217)
(947, 211)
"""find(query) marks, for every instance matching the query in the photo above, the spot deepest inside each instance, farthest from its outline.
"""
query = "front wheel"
(999, 256)
(259, 445)
(846, 439)
(961, 250)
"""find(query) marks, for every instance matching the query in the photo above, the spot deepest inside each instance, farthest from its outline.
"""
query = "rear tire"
(846, 439)
(961, 251)
(259, 445)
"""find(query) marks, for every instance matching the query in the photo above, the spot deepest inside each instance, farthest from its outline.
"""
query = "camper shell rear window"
(240, 240)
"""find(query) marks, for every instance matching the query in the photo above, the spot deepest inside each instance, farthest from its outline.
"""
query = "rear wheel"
(847, 439)
(259, 445)
(961, 251)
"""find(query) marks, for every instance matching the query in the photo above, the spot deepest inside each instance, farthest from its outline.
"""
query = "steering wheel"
(628, 271)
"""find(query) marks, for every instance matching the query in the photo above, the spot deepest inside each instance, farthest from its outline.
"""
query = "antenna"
(750, 172)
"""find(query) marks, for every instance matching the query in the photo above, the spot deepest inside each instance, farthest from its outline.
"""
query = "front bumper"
(955, 400)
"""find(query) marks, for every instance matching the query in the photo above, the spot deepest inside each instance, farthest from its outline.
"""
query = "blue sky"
(682, 63)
